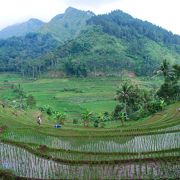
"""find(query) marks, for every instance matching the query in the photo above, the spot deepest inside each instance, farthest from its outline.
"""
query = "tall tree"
(170, 89)
(124, 94)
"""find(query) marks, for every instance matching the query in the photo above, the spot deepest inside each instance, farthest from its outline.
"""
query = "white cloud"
(90, 4)
(160, 12)
(13, 11)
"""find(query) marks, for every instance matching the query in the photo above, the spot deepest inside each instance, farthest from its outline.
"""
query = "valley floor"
(72, 95)
(145, 149)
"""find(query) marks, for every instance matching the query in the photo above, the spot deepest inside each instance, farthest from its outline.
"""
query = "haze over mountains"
(84, 44)
(62, 26)
(32, 25)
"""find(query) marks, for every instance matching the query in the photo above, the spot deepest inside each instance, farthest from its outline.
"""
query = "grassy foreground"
(145, 149)
(138, 144)
(72, 95)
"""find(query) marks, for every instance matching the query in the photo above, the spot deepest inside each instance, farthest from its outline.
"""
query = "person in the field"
(39, 120)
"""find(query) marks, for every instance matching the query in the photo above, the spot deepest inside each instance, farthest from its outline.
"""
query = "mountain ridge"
(21, 29)
(68, 25)
(107, 44)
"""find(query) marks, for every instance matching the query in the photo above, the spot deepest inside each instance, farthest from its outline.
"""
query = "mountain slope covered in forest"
(92, 45)
(18, 54)
(117, 41)
(68, 25)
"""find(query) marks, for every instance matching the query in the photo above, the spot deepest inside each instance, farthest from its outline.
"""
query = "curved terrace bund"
(148, 149)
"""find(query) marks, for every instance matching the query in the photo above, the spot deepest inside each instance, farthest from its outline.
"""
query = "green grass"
(71, 95)
(152, 139)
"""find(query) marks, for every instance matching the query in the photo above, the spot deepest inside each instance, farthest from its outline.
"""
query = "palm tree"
(165, 68)
(124, 94)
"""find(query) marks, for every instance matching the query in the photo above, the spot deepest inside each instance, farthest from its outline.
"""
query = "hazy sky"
(165, 13)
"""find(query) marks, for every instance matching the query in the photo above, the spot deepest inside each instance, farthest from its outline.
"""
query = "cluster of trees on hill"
(126, 27)
(136, 103)
(170, 90)
(94, 51)
(116, 41)
(21, 54)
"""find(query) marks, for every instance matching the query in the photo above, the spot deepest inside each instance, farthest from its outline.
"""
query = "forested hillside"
(117, 41)
(91, 45)
(128, 28)
(19, 54)
(68, 25)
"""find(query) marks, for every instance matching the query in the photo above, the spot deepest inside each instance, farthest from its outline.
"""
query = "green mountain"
(121, 42)
(68, 25)
(91, 45)
(21, 29)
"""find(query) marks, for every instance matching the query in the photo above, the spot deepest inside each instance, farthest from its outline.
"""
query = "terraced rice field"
(25, 164)
(71, 95)
(147, 149)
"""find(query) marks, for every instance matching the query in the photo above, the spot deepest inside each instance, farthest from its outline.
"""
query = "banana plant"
(122, 116)
(86, 117)
(60, 117)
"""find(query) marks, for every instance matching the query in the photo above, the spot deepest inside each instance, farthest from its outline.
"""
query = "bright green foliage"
(48, 109)
(170, 90)
(86, 116)
(19, 91)
(60, 117)
(130, 96)
(122, 116)
(136, 103)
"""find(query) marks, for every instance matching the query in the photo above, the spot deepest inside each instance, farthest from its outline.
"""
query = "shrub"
(117, 109)
(47, 109)
(75, 121)
(96, 123)
(154, 106)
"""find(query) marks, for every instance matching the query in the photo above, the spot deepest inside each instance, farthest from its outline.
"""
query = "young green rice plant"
(25, 164)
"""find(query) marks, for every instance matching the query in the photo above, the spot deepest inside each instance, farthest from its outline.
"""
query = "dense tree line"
(96, 52)
(28, 54)
(170, 89)
(124, 26)
(136, 103)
